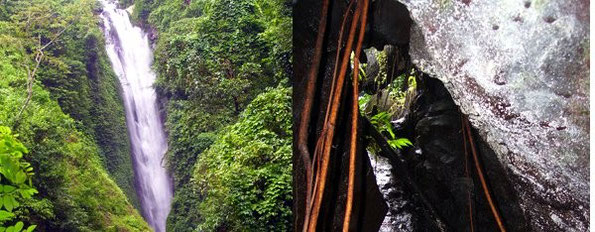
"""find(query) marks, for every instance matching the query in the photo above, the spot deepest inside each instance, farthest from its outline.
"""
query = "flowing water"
(131, 57)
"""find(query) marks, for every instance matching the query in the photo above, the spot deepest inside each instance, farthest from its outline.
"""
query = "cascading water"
(131, 57)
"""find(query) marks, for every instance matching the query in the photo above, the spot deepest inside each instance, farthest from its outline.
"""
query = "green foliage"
(395, 88)
(82, 197)
(74, 125)
(364, 100)
(212, 58)
(189, 136)
(389, 102)
(246, 174)
(15, 180)
(125, 3)
(185, 214)
(396, 82)
(142, 9)
(78, 75)
(107, 115)
(382, 122)
(222, 56)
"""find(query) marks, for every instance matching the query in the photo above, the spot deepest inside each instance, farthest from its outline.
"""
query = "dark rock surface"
(519, 70)
(447, 179)
(401, 215)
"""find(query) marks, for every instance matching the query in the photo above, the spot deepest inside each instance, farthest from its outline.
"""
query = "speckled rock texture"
(520, 70)
(399, 217)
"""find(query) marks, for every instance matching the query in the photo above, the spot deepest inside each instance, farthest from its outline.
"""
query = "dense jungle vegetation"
(229, 149)
(223, 70)
(71, 118)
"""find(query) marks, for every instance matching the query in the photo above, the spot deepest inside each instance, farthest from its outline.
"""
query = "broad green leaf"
(8, 202)
(18, 226)
(15, 203)
(31, 228)
(8, 188)
(20, 177)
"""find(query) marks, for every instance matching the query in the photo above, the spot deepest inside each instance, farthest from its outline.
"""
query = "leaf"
(8, 188)
(390, 131)
(18, 226)
(7, 200)
(27, 193)
(399, 143)
(15, 203)
(394, 144)
(20, 177)
(4, 215)
(404, 142)
(30, 228)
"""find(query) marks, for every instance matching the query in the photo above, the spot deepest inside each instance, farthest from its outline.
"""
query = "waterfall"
(131, 57)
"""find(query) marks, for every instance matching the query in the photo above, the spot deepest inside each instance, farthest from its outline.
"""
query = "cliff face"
(519, 70)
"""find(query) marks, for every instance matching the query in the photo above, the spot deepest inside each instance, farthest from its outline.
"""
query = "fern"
(382, 122)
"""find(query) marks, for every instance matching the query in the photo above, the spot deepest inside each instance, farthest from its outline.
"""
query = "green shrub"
(213, 57)
(16, 186)
(246, 174)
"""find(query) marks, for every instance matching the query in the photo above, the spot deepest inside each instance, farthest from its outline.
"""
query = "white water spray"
(131, 57)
